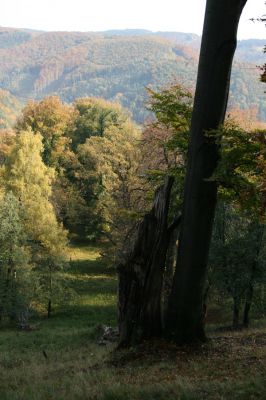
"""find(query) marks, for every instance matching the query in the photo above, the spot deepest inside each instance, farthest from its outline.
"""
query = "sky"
(100, 15)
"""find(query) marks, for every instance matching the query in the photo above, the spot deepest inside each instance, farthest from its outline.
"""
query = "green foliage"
(236, 259)
(94, 116)
(53, 289)
(238, 245)
(78, 188)
(30, 181)
(94, 147)
(165, 140)
(111, 162)
(237, 256)
(241, 172)
(16, 285)
(172, 107)
(54, 122)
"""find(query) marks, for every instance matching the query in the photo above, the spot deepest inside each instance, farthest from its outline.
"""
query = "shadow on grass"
(91, 267)
(90, 288)
(68, 329)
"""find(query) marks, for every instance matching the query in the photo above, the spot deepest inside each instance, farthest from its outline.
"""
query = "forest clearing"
(62, 359)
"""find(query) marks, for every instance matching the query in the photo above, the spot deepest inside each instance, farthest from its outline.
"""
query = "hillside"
(116, 65)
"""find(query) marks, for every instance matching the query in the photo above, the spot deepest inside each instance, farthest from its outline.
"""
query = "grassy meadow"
(62, 359)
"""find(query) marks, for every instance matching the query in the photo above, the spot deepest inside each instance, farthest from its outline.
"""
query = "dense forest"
(117, 65)
(132, 213)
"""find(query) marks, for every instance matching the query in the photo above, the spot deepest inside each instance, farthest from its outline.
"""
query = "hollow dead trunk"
(141, 276)
(170, 265)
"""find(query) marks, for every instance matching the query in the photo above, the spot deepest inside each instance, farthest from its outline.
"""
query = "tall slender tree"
(30, 181)
(185, 321)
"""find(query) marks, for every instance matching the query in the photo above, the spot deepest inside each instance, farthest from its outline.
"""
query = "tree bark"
(185, 320)
(236, 312)
(250, 290)
(248, 303)
(141, 276)
(170, 265)
(49, 308)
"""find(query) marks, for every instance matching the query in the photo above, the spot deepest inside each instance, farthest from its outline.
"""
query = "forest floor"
(62, 359)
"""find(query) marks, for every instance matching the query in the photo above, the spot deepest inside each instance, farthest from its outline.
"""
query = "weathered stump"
(141, 276)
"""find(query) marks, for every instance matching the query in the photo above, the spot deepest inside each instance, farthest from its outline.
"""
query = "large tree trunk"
(141, 276)
(185, 321)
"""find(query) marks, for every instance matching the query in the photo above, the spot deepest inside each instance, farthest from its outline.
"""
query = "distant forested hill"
(116, 65)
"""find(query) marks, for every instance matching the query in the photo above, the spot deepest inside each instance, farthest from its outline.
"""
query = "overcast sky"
(99, 15)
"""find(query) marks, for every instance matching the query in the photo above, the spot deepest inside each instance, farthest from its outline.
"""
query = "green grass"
(231, 366)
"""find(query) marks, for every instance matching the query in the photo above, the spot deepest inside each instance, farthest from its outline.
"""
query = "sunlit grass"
(91, 253)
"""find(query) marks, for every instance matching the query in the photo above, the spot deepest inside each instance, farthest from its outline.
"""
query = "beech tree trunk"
(185, 320)
(141, 276)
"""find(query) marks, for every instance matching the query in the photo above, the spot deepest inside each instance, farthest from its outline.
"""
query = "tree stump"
(141, 275)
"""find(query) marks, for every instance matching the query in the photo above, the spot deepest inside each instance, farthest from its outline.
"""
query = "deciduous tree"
(186, 309)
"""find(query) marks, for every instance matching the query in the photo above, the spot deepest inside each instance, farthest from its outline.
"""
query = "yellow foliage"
(30, 180)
